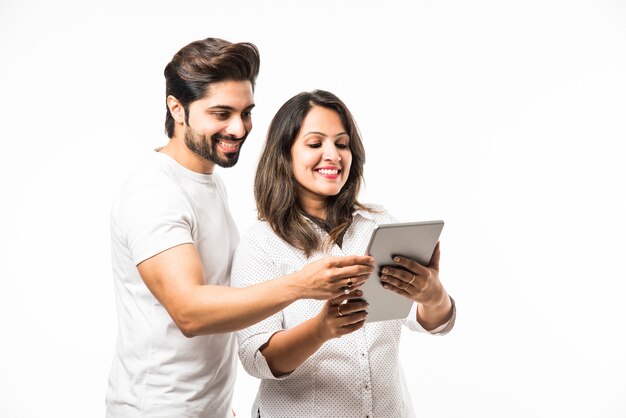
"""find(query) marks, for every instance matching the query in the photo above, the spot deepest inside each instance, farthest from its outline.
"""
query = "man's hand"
(331, 277)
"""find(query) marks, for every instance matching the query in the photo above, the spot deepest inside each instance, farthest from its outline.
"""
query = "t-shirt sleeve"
(251, 265)
(152, 220)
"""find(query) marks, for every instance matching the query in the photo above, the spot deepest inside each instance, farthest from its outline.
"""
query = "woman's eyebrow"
(323, 134)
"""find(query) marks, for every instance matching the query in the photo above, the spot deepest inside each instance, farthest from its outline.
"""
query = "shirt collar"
(364, 214)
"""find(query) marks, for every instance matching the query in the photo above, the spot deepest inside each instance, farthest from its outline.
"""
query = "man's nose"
(236, 127)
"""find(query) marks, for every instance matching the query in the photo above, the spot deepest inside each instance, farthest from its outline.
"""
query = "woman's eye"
(341, 146)
(314, 145)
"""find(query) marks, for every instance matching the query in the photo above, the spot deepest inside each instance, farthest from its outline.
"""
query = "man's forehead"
(229, 91)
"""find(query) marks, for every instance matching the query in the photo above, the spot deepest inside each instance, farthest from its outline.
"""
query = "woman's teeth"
(327, 171)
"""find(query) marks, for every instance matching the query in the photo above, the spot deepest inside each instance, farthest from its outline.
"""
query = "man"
(173, 238)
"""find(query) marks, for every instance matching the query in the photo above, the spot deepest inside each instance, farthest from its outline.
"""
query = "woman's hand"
(288, 349)
(415, 281)
(341, 315)
(420, 284)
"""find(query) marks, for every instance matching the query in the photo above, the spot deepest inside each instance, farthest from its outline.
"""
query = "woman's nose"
(330, 153)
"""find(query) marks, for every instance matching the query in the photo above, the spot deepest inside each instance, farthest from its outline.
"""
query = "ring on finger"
(412, 278)
(333, 302)
(339, 310)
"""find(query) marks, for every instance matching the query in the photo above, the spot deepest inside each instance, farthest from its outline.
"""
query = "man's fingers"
(352, 260)
(353, 271)
(358, 281)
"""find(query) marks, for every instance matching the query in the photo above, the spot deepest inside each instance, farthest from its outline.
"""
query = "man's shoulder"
(149, 184)
(150, 172)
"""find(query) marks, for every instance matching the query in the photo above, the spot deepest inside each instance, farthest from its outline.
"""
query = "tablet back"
(415, 240)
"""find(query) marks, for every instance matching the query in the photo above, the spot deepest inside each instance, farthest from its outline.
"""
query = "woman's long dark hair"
(276, 189)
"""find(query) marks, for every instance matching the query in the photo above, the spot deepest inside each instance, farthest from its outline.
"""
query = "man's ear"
(176, 109)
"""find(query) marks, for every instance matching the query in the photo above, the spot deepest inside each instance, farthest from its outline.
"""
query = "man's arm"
(176, 278)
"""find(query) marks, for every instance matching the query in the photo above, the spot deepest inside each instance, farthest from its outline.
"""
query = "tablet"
(415, 240)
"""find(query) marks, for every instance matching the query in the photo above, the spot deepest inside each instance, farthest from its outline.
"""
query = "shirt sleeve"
(152, 220)
(411, 322)
(252, 265)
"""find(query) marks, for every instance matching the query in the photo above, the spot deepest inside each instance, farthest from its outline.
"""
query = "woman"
(316, 358)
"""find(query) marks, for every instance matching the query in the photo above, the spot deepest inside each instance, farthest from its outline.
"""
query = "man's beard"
(207, 148)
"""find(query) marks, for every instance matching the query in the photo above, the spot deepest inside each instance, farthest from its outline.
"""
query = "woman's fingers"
(347, 313)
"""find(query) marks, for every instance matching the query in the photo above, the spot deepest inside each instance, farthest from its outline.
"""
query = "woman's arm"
(286, 350)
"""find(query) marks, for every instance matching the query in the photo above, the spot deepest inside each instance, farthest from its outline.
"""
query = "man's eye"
(222, 115)
(246, 115)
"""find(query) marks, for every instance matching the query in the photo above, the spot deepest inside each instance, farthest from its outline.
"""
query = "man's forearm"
(213, 309)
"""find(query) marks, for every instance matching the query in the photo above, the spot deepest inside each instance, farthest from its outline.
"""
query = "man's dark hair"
(197, 65)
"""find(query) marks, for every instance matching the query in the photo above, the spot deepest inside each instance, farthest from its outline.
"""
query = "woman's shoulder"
(374, 207)
(375, 212)
(258, 231)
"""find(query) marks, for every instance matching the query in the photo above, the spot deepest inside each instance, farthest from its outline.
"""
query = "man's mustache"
(218, 137)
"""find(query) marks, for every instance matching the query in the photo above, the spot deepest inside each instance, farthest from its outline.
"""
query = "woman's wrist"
(430, 316)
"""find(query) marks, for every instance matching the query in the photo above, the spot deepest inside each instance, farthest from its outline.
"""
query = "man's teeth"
(227, 145)
(327, 171)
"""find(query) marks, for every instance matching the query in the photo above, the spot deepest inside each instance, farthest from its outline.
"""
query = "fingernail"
(396, 259)
(383, 278)
(385, 270)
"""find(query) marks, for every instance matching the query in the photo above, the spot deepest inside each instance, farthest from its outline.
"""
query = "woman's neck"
(314, 207)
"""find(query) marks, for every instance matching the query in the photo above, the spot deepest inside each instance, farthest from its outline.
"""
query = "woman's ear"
(176, 109)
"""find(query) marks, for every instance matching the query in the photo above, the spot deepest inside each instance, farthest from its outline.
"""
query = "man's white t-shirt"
(156, 371)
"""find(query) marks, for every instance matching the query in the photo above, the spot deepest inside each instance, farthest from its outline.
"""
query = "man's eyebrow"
(230, 108)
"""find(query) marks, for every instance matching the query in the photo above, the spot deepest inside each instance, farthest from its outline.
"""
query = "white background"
(505, 119)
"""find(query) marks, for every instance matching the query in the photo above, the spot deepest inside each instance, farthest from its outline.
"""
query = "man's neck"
(185, 157)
